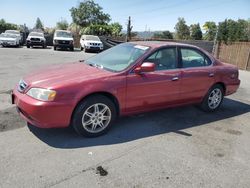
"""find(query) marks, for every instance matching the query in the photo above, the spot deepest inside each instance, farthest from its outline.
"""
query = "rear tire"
(28, 46)
(94, 116)
(55, 48)
(213, 99)
(72, 49)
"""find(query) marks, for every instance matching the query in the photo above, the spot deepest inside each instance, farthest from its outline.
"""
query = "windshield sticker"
(141, 47)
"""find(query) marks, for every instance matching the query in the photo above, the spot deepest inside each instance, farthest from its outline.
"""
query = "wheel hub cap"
(96, 118)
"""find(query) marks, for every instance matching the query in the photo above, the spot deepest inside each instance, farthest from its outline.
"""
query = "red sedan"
(127, 79)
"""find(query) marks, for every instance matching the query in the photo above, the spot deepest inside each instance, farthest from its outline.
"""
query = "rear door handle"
(211, 74)
(175, 78)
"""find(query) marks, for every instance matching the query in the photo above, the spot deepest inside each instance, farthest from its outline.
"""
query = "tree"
(116, 29)
(181, 29)
(195, 32)
(230, 31)
(39, 24)
(222, 31)
(63, 25)
(163, 35)
(7, 26)
(89, 13)
(210, 28)
(97, 30)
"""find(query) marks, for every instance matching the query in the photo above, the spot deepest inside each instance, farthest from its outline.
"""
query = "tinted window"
(193, 58)
(164, 59)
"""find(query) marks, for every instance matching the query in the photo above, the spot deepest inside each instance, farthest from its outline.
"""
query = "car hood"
(63, 38)
(35, 37)
(94, 41)
(65, 74)
(8, 39)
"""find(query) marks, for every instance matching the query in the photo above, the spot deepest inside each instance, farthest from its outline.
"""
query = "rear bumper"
(43, 114)
(232, 87)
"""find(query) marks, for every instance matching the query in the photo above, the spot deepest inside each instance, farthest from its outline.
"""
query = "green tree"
(182, 30)
(230, 30)
(63, 25)
(39, 24)
(163, 35)
(116, 29)
(89, 13)
(210, 28)
(195, 32)
(7, 26)
(97, 29)
(222, 31)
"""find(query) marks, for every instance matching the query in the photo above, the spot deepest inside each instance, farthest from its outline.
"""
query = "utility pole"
(129, 29)
(215, 45)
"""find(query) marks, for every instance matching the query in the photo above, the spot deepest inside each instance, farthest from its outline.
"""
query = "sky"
(146, 15)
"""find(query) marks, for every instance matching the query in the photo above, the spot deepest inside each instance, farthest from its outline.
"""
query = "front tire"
(94, 116)
(213, 99)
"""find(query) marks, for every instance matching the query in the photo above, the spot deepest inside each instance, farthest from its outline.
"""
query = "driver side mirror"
(145, 67)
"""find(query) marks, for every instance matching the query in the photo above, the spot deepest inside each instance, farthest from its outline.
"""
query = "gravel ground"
(179, 147)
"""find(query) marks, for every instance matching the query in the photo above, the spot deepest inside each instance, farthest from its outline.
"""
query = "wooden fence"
(236, 53)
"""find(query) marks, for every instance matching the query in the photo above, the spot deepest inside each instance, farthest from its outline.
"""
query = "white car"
(63, 39)
(7, 39)
(16, 33)
(36, 39)
(91, 43)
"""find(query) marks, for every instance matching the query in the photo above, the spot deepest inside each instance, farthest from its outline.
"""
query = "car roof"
(157, 44)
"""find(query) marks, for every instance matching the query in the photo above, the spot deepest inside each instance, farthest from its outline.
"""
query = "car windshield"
(95, 38)
(118, 58)
(12, 32)
(7, 35)
(63, 34)
(36, 34)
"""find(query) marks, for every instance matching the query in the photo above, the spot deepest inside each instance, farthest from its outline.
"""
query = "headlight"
(42, 94)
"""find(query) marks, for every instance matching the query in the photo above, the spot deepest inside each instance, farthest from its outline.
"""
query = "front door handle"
(211, 74)
(175, 78)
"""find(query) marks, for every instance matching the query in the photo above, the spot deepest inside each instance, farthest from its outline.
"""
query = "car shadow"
(144, 125)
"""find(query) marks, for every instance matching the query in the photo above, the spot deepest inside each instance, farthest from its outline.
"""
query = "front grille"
(35, 39)
(63, 42)
(95, 44)
(22, 85)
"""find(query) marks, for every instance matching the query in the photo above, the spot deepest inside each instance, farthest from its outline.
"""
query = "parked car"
(17, 34)
(91, 43)
(36, 39)
(127, 79)
(7, 39)
(63, 39)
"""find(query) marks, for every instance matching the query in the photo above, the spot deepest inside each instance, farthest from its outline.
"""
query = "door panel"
(195, 83)
(152, 90)
(197, 75)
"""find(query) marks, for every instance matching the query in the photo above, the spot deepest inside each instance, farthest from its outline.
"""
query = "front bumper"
(8, 43)
(64, 45)
(94, 48)
(35, 43)
(43, 114)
